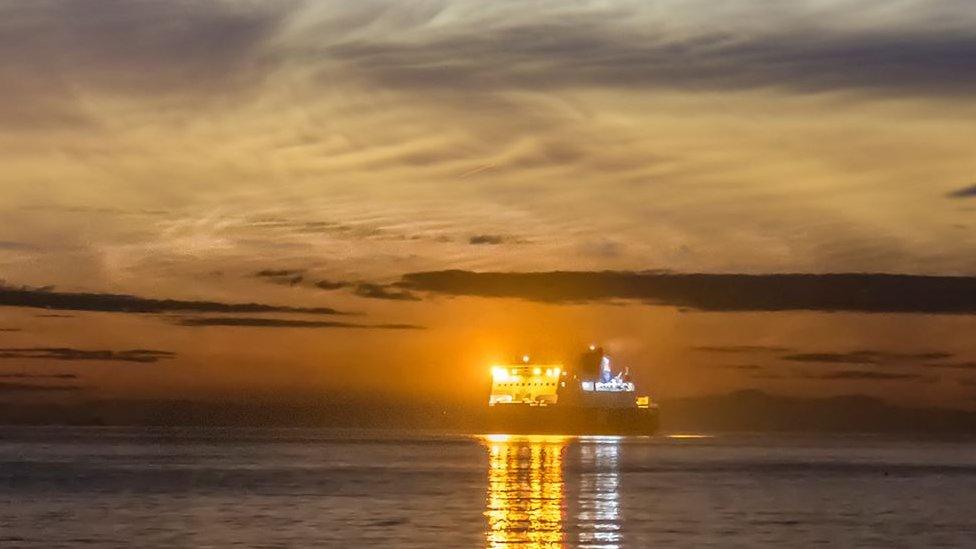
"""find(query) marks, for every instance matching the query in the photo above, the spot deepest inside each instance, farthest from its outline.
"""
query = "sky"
(240, 198)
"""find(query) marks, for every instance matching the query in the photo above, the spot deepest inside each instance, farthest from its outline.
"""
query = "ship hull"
(565, 420)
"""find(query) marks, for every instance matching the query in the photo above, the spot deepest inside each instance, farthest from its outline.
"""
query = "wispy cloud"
(631, 45)
(52, 49)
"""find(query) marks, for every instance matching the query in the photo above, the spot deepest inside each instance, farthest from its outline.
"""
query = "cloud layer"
(630, 45)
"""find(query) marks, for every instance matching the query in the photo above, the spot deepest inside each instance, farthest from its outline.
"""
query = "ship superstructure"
(553, 398)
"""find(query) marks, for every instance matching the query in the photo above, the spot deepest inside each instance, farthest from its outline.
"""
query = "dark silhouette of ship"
(588, 399)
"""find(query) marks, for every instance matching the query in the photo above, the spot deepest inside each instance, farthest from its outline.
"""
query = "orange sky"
(176, 150)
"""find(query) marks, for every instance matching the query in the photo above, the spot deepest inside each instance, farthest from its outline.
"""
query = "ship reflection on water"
(598, 521)
(546, 491)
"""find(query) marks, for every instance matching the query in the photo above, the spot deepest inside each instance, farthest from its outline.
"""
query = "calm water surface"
(315, 488)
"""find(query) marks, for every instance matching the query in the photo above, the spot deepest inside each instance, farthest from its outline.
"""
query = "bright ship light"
(499, 373)
(525, 359)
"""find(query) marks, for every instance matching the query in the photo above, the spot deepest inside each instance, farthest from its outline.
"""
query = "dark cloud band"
(866, 357)
(965, 192)
(120, 303)
(380, 291)
(741, 349)
(860, 292)
(8, 387)
(252, 322)
(21, 375)
(64, 353)
(489, 239)
(867, 375)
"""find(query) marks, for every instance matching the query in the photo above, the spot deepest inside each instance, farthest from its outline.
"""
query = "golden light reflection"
(598, 518)
(525, 501)
(549, 491)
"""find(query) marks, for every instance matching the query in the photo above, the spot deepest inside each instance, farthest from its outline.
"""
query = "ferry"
(550, 398)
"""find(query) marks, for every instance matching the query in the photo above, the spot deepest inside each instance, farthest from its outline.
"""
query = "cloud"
(21, 375)
(278, 273)
(50, 48)
(746, 367)
(735, 349)
(135, 47)
(865, 357)
(863, 375)
(370, 290)
(286, 277)
(121, 303)
(603, 248)
(380, 291)
(14, 246)
(10, 329)
(331, 284)
(971, 382)
(7, 387)
(253, 322)
(954, 365)
(965, 192)
(64, 353)
(490, 239)
(636, 46)
(854, 292)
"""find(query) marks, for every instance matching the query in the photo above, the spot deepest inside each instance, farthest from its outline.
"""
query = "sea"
(271, 488)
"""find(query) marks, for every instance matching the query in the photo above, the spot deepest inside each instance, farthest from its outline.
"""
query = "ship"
(587, 398)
